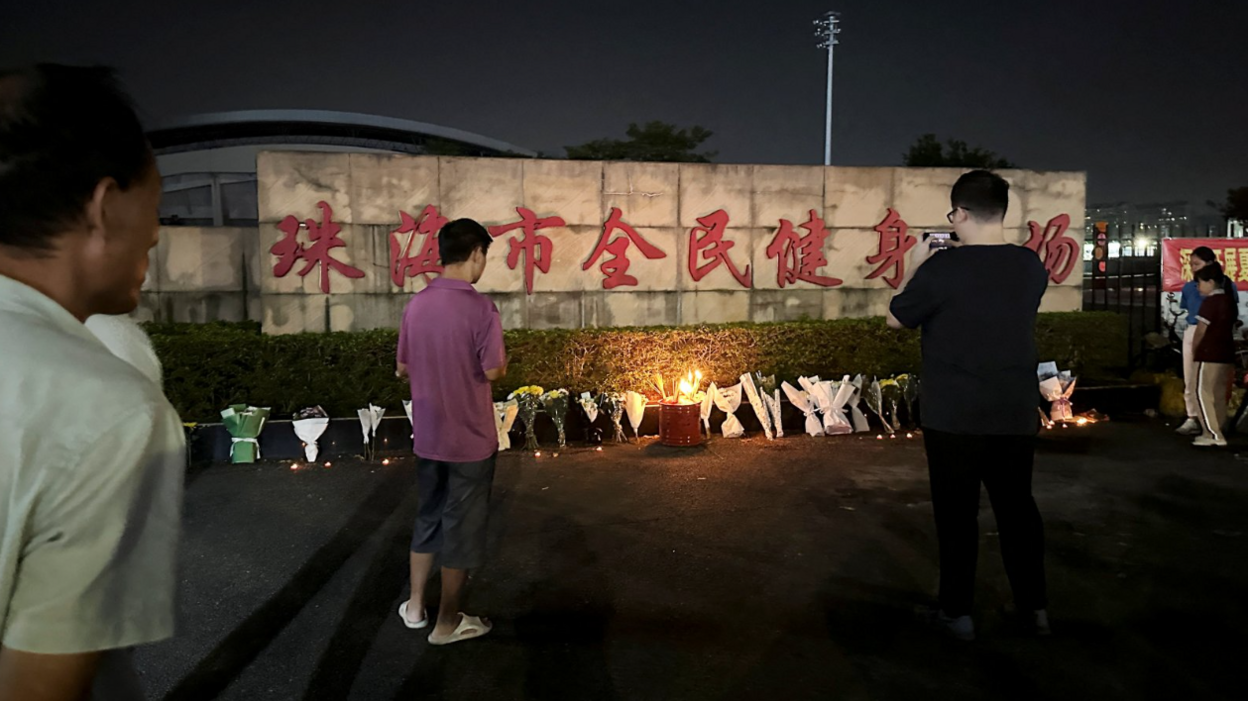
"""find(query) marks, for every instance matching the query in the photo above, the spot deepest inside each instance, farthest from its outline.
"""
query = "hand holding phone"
(939, 240)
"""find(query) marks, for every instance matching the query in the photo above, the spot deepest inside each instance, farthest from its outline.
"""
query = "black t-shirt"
(977, 308)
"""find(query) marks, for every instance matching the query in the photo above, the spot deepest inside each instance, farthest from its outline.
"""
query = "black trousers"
(957, 464)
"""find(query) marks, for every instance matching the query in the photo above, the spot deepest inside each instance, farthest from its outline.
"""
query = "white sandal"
(423, 623)
(469, 627)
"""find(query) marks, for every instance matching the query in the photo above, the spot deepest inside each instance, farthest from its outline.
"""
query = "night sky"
(1150, 98)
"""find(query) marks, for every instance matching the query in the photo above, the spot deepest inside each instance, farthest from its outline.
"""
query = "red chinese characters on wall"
(800, 257)
(895, 243)
(403, 264)
(536, 249)
(1057, 251)
(323, 236)
(615, 268)
(706, 243)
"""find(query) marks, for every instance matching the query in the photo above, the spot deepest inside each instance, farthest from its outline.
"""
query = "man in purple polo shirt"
(451, 349)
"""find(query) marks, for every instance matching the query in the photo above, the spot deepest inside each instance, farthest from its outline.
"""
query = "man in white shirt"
(124, 338)
(92, 457)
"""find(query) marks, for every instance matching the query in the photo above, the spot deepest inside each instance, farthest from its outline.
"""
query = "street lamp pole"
(826, 29)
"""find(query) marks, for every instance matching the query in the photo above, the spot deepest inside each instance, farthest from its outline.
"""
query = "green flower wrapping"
(244, 424)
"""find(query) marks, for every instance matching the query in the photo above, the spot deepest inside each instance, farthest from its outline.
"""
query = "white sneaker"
(1191, 427)
(1206, 442)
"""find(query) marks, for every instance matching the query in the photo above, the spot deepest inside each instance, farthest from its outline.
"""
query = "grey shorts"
(453, 510)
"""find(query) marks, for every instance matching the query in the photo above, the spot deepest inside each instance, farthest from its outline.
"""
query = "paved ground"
(745, 570)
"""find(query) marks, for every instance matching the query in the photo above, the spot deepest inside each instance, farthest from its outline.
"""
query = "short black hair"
(63, 129)
(1205, 253)
(458, 239)
(982, 193)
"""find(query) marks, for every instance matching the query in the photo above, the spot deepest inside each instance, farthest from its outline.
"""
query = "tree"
(928, 152)
(1236, 205)
(656, 141)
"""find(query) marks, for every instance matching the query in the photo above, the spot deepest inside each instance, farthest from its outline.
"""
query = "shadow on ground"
(742, 570)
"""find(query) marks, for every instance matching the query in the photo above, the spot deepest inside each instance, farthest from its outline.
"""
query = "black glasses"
(953, 211)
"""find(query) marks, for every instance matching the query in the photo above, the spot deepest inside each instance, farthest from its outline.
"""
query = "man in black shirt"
(976, 304)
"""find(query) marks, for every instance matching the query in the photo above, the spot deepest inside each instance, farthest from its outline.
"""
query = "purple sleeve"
(490, 350)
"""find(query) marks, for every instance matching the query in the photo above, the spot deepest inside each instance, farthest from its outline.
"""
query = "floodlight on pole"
(826, 29)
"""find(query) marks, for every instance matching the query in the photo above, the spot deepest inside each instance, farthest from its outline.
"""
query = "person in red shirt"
(1214, 353)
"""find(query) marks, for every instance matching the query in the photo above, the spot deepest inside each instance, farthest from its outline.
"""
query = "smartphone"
(939, 239)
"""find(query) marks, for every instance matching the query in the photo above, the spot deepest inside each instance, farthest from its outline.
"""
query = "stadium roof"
(260, 127)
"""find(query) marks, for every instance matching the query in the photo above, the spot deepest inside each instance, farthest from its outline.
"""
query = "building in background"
(1137, 229)
(208, 161)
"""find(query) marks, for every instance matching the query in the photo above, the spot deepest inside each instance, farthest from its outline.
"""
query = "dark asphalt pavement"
(743, 570)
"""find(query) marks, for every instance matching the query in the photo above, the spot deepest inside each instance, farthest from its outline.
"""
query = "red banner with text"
(1176, 254)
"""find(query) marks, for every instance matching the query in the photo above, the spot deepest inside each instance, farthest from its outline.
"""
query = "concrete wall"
(203, 274)
(663, 202)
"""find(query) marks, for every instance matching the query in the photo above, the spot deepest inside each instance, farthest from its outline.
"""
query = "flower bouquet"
(613, 404)
(756, 402)
(309, 425)
(835, 422)
(635, 406)
(504, 418)
(875, 402)
(891, 400)
(1057, 387)
(708, 403)
(910, 392)
(556, 403)
(770, 393)
(589, 404)
(244, 424)
(858, 418)
(820, 398)
(370, 419)
(529, 401)
(728, 399)
(801, 399)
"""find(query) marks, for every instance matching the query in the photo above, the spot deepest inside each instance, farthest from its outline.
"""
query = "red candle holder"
(680, 424)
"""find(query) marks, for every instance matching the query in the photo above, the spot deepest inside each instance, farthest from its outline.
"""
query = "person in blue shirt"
(1190, 301)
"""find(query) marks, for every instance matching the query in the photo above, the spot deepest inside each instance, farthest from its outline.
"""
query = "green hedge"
(210, 366)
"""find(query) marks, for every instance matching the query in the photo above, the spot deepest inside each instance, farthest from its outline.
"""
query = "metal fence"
(1128, 284)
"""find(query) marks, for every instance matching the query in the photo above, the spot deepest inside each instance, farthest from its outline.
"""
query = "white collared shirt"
(92, 457)
(126, 340)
